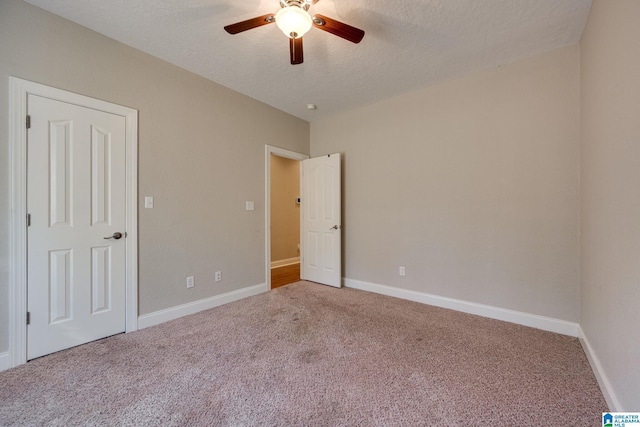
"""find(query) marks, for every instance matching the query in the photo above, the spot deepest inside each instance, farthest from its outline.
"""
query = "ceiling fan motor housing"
(302, 4)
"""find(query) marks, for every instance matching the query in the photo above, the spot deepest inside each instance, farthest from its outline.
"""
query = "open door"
(321, 222)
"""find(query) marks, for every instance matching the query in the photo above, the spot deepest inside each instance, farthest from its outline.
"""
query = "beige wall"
(610, 315)
(285, 212)
(473, 185)
(201, 155)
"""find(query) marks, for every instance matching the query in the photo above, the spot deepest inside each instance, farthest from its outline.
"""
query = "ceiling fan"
(294, 20)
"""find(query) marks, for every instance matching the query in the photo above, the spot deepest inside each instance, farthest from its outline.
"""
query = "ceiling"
(408, 44)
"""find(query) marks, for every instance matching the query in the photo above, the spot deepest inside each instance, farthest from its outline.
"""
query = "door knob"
(335, 227)
(116, 236)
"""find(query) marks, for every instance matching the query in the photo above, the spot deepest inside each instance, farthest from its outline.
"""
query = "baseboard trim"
(5, 361)
(603, 380)
(526, 319)
(176, 312)
(285, 262)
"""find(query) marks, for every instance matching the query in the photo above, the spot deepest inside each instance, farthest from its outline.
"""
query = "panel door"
(321, 234)
(76, 201)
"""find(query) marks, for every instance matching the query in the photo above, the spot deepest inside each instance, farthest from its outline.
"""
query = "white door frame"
(18, 91)
(267, 197)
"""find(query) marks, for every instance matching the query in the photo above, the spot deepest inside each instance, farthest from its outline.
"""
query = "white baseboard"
(526, 319)
(5, 361)
(167, 314)
(283, 262)
(603, 381)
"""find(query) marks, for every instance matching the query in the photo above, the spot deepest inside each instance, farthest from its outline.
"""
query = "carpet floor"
(311, 355)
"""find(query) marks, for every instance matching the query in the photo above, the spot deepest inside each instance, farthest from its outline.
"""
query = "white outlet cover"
(250, 206)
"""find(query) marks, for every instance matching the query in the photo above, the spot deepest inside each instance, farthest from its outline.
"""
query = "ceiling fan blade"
(239, 27)
(295, 50)
(315, 1)
(338, 28)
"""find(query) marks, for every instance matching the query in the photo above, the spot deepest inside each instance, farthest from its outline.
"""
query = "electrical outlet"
(190, 282)
(402, 270)
(218, 276)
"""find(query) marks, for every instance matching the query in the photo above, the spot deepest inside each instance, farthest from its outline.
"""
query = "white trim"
(268, 150)
(18, 225)
(19, 89)
(526, 319)
(5, 361)
(161, 316)
(285, 262)
(131, 272)
(603, 380)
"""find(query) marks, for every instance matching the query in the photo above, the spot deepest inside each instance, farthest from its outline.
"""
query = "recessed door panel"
(328, 198)
(60, 285)
(328, 245)
(311, 255)
(100, 176)
(100, 279)
(60, 175)
(312, 194)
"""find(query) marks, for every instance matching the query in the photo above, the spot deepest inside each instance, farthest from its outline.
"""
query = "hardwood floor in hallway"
(285, 275)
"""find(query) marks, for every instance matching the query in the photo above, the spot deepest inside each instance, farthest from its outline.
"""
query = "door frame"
(268, 150)
(18, 91)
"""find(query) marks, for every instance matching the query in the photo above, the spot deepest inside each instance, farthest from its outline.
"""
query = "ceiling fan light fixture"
(293, 21)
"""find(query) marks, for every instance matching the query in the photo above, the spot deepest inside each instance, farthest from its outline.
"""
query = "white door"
(321, 234)
(76, 202)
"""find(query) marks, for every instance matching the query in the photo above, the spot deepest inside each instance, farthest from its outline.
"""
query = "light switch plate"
(148, 202)
(250, 206)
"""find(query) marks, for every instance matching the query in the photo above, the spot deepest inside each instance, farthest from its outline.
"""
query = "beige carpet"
(311, 355)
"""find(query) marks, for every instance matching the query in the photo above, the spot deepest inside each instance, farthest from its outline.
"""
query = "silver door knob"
(116, 236)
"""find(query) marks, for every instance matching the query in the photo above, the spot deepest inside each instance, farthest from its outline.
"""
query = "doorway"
(282, 212)
(285, 221)
(46, 240)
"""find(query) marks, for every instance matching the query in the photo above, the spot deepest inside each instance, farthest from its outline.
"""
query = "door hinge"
(28, 318)
(28, 220)
(28, 123)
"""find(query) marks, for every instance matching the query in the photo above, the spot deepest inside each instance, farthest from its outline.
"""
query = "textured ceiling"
(408, 43)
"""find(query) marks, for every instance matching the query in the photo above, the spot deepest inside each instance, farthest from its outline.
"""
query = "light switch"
(250, 206)
(148, 202)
